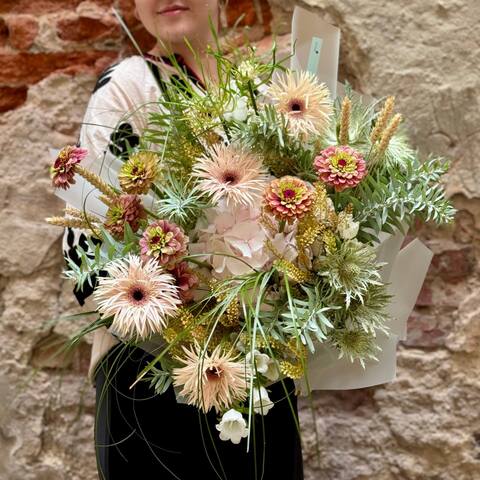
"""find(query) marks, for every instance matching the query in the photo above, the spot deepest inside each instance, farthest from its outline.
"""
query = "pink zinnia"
(163, 241)
(340, 166)
(288, 198)
(185, 280)
(63, 169)
(125, 209)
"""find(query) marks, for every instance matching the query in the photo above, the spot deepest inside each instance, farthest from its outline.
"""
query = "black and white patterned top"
(115, 117)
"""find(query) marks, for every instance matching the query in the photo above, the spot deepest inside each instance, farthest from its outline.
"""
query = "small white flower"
(346, 227)
(247, 69)
(232, 426)
(261, 401)
(265, 365)
(237, 109)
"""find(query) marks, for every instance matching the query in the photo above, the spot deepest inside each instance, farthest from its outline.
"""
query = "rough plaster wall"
(425, 425)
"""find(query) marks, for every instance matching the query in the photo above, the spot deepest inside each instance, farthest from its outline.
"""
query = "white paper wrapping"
(406, 271)
(305, 25)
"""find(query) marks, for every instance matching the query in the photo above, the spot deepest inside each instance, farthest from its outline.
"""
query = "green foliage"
(307, 319)
(368, 313)
(267, 135)
(180, 203)
(393, 195)
(160, 379)
(97, 256)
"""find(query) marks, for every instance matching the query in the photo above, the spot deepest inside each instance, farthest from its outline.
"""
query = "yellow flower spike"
(345, 121)
(349, 208)
(382, 119)
(230, 318)
(308, 232)
(291, 370)
(267, 223)
(199, 333)
(328, 238)
(297, 348)
(184, 316)
(292, 271)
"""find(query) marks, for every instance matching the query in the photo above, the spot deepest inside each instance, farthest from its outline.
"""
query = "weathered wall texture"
(425, 425)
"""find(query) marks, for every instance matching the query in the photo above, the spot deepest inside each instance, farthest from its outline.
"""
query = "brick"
(23, 30)
(267, 16)
(39, 7)
(242, 7)
(4, 33)
(11, 98)
(127, 10)
(425, 297)
(454, 265)
(426, 330)
(85, 28)
(28, 68)
(145, 41)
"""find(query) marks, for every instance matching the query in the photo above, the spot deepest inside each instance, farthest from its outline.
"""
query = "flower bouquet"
(240, 237)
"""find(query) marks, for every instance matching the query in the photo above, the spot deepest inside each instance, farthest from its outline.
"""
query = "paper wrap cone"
(405, 273)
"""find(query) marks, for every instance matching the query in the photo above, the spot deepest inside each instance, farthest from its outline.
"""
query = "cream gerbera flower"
(211, 380)
(305, 103)
(230, 173)
(139, 296)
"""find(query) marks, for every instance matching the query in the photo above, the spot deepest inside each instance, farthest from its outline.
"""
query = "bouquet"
(241, 235)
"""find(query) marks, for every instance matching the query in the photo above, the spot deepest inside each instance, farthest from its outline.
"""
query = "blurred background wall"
(426, 424)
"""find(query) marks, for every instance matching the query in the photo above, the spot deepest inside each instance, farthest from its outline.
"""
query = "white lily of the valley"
(232, 426)
(261, 401)
(264, 364)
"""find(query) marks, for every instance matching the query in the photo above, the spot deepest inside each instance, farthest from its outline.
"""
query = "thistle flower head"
(305, 103)
(163, 241)
(138, 173)
(355, 344)
(62, 171)
(230, 173)
(213, 379)
(340, 166)
(351, 269)
(288, 198)
(140, 297)
(125, 209)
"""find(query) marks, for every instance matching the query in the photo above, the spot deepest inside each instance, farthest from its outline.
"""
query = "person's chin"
(176, 34)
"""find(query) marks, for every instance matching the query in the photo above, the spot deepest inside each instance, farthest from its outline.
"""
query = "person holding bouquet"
(138, 432)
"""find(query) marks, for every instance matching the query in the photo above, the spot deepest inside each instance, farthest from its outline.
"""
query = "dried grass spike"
(382, 119)
(345, 121)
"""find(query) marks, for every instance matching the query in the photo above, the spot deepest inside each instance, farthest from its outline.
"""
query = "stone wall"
(425, 425)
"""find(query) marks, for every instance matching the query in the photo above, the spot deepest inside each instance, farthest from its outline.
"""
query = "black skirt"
(139, 433)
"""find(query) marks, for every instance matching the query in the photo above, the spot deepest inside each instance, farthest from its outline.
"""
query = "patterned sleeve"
(107, 128)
